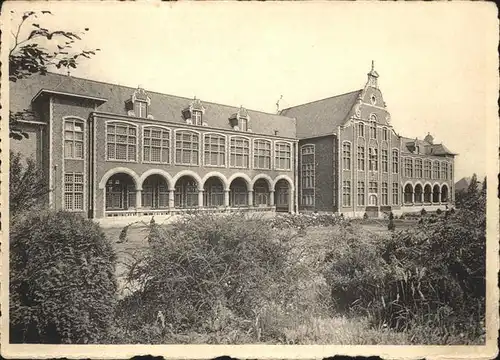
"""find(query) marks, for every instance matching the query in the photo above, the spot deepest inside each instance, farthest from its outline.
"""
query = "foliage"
(304, 220)
(215, 275)
(365, 216)
(35, 49)
(431, 276)
(27, 184)
(391, 226)
(62, 279)
(423, 212)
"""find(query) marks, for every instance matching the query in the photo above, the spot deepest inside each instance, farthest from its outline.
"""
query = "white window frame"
(74, 141)
(200, 147)
(73, 192)
(254, 153)
(249, 153)
(278, 159)
(162, 128)
(224, 152)
(127, 123)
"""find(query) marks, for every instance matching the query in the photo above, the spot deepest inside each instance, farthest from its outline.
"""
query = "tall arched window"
(395, 161)
(187, 147)
(307, 175)
(156, 145)
(215, 150)
(73, 139)
(373, 126)
(346, 155)
(121, 141)
(361, 129)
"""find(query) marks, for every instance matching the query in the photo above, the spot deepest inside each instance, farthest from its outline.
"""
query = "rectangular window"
(385, 160)
(408, 167)
(385, 134)
(361, 158)
(435, 170)
(418, 168)
(395, 194)
(262, 154)
(361, 129)
(308, 176)
(187, 149)
(373, 159)
(373, 187)
(451, 172)
(121, 142)
(385, 193)
(156, 145)
(215, 150)
(427, 169)
(395, 161)
(239, 152)
(196, 118)
(346, 156)
(283, 156)
(346, 193)
(361, 193)
(444, 171)
(73, 139)
(307, 167)
(243, 124)
(373, 129)
(308, 200)
(141, 109)
(73, 191)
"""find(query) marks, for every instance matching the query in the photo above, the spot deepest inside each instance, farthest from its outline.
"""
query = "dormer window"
(243, 124)
(193, 114)
(138, 104)
(141, 109)
(196, 117)
(240, 120)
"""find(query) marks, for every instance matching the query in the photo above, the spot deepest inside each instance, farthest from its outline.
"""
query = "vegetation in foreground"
(294, 279)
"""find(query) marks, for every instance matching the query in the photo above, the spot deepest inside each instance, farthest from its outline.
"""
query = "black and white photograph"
(256, 179)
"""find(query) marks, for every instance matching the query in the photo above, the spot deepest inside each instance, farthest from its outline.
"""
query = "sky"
(437, 61)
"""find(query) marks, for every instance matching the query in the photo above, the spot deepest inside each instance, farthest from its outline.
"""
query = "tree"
(35, 50)
(27, 184)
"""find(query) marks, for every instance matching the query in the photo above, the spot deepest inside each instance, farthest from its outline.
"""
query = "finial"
(373, 65)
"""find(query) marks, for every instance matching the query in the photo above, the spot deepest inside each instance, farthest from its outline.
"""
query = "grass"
(320, 327)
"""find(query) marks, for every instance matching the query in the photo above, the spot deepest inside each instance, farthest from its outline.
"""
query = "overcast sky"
(437, 61)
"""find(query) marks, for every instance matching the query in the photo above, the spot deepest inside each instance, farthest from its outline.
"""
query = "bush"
(365, 216)
(426, 277)
(62, 279)
(423, 212)
(208, 273)
(439, 211)
(303, 220)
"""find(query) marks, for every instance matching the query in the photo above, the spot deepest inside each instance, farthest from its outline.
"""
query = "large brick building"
(111, 150)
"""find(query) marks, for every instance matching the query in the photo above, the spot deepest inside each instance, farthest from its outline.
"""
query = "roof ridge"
(327, 98)
(164, 94)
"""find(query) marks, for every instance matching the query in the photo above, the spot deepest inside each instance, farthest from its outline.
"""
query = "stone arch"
(216, 174)
(436, 193)
(283, 177)
(408, 193)
(245, 177)
(194, 175)
(265, 177)
(117, 170)
(162, 173)
(445, 193)
(427, 192)
(418, 191)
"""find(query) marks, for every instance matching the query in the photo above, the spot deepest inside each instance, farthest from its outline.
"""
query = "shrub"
(62, 279)
(365, 216)
(426, 277)
(439, 211)
(211, 272)
(391, 226)
(423, 212)
(27, 184)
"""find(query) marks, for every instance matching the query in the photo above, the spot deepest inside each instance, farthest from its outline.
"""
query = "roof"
(425, 147)
(463, 183)
(322, 117)
(163, 106)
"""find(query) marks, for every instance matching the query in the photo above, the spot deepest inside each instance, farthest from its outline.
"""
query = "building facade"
(353, 162)
(112, 151)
